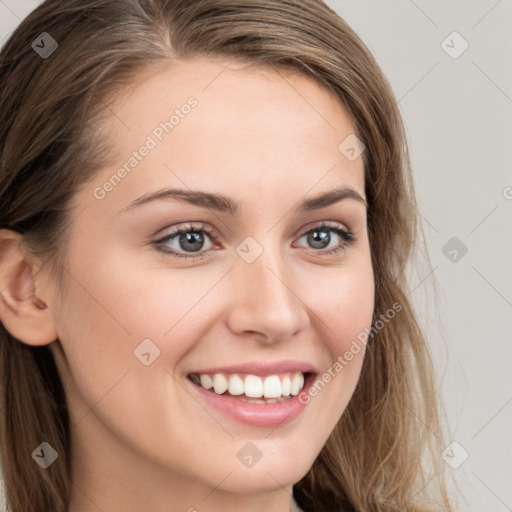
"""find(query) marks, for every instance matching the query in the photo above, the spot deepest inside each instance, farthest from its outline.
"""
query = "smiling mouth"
(268, 389)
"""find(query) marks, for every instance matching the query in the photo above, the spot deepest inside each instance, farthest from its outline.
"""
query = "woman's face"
(254, 287)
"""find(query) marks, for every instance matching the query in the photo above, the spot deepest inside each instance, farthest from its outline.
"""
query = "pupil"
(319, 239)
(192, 237)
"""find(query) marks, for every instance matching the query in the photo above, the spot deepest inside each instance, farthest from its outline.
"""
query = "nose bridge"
(266, 301)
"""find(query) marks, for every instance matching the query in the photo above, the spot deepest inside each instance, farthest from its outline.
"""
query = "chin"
(266, 476)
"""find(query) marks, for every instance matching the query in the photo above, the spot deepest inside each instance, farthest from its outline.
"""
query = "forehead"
(215, 121)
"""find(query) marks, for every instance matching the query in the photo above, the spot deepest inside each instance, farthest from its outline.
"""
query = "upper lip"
(260, 368)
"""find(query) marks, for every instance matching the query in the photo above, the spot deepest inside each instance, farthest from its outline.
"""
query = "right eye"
(188, 239)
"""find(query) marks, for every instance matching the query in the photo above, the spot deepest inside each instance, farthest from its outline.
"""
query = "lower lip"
(258, 415)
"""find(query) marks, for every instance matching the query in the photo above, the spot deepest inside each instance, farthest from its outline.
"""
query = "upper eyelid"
(326, 223)
(209, 230)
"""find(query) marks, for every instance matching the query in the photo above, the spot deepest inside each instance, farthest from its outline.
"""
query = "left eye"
(321, 236)
(190, 239)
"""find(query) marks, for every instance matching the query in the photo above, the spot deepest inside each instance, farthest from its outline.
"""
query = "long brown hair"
(381, 455)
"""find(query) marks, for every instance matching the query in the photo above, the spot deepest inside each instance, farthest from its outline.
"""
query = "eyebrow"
(224, 204)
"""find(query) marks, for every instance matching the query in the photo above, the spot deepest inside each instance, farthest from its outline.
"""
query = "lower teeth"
(244, 398)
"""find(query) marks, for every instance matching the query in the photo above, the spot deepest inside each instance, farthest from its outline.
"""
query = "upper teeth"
(271, 386)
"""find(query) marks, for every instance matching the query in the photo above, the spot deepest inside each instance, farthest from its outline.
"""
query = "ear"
(23, 313)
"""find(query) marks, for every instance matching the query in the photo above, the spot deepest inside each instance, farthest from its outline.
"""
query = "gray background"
(458, 112)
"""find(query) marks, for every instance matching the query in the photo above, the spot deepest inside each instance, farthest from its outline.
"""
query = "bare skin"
(141, 439)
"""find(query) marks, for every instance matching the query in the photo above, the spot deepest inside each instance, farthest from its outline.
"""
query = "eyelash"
(347, 239)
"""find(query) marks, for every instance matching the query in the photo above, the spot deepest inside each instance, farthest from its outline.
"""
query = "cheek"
(111, 306)
(344, 310)
(108, 311)
(126, 300)
(345, 306)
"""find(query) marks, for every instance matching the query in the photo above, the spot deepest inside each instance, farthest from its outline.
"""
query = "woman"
(206, 212)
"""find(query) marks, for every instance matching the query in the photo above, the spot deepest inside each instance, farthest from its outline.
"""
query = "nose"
(267, 301)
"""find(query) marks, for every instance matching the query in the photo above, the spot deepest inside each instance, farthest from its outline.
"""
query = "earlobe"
(22, 312)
